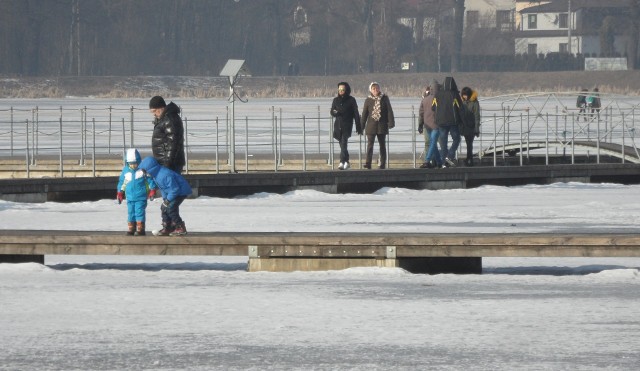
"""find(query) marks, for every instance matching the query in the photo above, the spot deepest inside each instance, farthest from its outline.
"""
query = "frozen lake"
(174, 313)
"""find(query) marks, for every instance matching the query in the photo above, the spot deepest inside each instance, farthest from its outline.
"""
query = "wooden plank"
(329, 245)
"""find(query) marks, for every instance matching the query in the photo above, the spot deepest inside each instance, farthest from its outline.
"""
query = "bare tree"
(634, 34)
(458, 30)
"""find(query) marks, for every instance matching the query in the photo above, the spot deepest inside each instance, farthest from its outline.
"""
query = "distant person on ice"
(175, 190)
(581, 104)
(345, 110)
(167, 141)
(593, 101)
(135, 186)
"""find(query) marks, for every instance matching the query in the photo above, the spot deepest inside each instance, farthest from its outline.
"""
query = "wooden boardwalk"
(321, 251)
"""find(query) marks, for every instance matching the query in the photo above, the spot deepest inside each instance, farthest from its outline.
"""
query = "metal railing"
(523, 125)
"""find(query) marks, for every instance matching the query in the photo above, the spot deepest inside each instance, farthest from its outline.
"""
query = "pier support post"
(413, 265)
(22, 259)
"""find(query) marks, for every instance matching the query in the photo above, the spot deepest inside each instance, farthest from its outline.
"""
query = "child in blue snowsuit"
(135, 186)
(175, 189)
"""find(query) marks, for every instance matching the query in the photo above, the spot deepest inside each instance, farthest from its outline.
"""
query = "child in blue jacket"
(135, 186)
(175, 189)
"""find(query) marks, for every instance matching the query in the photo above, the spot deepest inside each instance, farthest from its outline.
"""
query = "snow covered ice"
(148, 312)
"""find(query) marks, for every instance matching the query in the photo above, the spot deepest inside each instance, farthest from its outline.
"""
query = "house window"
(563, 48)
(504, 21)
(563, 20)
(533, 21)
(532, 49)
(473, 19)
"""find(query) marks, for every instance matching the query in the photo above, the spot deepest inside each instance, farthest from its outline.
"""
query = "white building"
(570, 26)
(498, 14)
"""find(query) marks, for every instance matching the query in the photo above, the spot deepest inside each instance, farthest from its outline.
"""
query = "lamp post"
(231, 70)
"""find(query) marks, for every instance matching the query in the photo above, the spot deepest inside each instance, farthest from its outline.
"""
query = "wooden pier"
(306, 251)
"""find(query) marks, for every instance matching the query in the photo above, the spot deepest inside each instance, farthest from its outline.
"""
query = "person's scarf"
(375, 113)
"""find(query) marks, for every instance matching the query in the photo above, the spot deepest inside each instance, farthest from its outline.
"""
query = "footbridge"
(307, 251)
(567, 148)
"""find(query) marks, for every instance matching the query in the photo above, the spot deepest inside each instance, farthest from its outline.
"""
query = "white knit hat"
(373, 83)
(131, 155)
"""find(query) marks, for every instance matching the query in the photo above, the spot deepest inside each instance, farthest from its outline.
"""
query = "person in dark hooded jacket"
(471, 127)
(167, 142)
(447, 107)
(175, 190)
(345, 110)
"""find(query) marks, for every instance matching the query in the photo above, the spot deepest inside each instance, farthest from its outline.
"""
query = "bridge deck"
(322, 245)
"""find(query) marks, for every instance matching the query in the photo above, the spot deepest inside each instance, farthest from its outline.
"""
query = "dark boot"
(140, 229)
(166, 230)
(131, 228)
(179, 230)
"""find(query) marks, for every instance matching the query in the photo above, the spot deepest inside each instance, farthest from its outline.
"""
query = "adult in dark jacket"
(447, 106)
(377, 115)
(167, 142)
(345, 110)
(471, 126)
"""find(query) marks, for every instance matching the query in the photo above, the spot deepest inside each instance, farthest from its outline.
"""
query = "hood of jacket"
(450, 84)
(347, 88)
(151, 166)
(171, 108)
(474, 95)
(132, 155)
(435, 87)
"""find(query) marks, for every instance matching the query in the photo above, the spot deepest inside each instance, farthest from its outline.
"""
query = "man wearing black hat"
(167, 142)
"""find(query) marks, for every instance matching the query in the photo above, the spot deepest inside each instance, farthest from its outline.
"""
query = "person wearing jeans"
(449, 154)
(447, 107)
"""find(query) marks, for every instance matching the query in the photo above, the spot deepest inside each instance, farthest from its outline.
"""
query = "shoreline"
(393, 84)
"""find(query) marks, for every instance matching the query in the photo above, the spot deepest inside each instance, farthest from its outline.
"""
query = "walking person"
(593, 101)
(345, 110)
(471, 123)
(167, 141)
(135, 186)
(377, 116)
(447, 106)
(426, 132)
(581, 104)
(175, 190)
(427, 124)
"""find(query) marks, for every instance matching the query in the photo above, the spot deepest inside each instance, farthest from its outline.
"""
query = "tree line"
(274, 37)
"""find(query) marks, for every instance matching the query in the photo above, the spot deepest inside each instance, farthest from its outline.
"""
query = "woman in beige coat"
(377, 115)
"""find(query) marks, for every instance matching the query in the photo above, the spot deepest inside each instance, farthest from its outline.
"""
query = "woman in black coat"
(345, 110)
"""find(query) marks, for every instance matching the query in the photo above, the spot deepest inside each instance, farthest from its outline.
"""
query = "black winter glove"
(165, 203)
(420, 129)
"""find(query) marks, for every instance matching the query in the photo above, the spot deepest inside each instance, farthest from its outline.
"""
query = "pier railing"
(520, 126)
